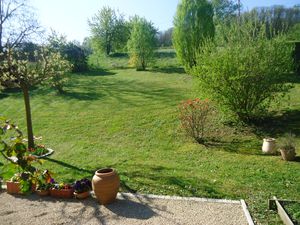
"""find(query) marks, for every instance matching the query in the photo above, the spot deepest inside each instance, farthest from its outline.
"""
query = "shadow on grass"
(169, 69)
(3, 96)
(97, 73)
(73, 167)
(278, 125)
(165, 54)
(82, 96)
(119, 55)
(160, 176)
(127, 92)
(245, 147)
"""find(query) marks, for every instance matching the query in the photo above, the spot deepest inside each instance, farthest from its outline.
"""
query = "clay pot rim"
(105, 172)
(15, 182)
(269, 139)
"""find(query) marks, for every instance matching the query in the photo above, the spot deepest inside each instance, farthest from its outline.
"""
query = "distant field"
(128, 120)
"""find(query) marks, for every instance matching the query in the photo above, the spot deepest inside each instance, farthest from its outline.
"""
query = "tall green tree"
(141, 43)
(277, 19)
(193, 23)
(224, 10)
(109, 30)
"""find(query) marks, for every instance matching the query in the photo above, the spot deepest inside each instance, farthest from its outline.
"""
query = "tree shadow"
(81, 96)
(278, 125)
(131, 209)
(245, 147)
(3, 95)
(73, 167)
(118, 55)
(164, 54)
(100, 73)
(168, 69)
(161, 175)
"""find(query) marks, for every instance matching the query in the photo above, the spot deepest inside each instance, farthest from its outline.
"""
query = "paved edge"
(212, 200)
(246, 212)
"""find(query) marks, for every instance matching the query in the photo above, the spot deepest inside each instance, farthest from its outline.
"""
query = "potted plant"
(44, 184)
(21, 183)
(40, 151)
(61, 190)
(82, 188)
(287, 147)
(13, 149)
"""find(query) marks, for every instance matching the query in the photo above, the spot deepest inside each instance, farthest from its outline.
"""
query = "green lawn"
(128, 120)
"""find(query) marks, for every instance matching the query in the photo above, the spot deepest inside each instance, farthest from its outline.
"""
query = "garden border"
(211, 200)
(275, 204)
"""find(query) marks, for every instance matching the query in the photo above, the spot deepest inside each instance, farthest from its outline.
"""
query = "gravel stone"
(128, 209)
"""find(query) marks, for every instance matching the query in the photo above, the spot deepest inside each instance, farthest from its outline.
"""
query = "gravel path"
(127, 210)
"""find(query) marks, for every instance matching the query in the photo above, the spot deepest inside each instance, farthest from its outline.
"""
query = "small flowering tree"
(15, 67)
(194, 116)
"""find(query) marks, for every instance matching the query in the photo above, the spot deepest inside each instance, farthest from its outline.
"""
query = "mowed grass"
(128, 120)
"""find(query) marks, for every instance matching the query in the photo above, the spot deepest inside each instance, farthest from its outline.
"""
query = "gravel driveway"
(127, 209)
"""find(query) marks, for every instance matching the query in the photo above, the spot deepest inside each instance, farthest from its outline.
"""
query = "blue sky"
(70, 17)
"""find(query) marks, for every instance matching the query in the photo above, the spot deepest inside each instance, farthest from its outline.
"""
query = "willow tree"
(193, 23)
(15, 67)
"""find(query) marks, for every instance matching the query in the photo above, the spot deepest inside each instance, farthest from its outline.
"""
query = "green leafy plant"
(38, 150)
(44, 181)
(194, 117)
(13, 149)
(245, 72)
(26, 180)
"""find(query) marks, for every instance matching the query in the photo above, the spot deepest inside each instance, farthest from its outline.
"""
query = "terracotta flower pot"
(106, 183)
(43, 192)
(288, 155)
(13, 187)
(82, 195)
(63, 193)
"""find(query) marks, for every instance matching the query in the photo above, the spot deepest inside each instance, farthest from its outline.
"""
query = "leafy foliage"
(109, 30)
(193, 23)
(246, 71)
(56, 70)
(71, 51)
(142, 42)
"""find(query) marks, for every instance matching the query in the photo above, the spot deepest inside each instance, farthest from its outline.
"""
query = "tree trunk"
(25, 90)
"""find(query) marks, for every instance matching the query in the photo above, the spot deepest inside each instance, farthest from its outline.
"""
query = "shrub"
(194, 117)
(246, 71)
